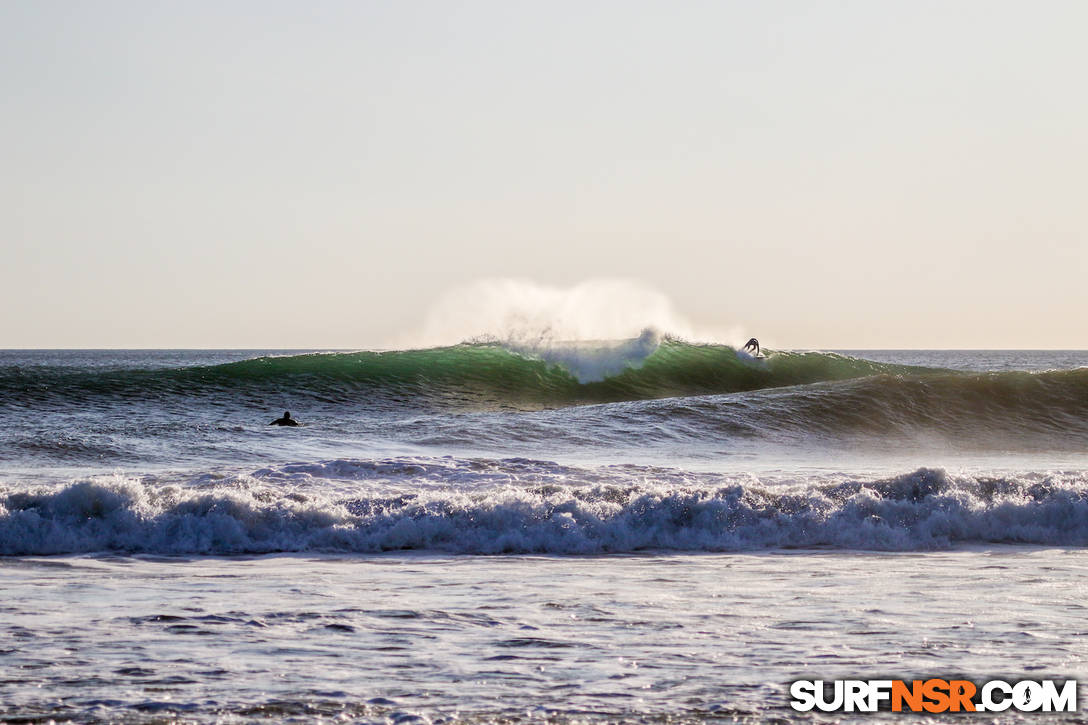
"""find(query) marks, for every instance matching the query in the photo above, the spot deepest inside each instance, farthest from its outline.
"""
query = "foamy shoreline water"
(424, 638)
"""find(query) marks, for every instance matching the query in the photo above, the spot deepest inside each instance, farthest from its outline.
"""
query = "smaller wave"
(71, 448)
(537, 507)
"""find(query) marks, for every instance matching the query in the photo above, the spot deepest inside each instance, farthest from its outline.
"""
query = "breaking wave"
(671, 390)
(519, 506)
(479, 375)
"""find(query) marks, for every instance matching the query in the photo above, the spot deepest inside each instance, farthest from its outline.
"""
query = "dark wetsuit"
(752, 346)
(285, 420)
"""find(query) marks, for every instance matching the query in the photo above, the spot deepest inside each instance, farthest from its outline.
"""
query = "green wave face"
(491, 375)
(480, 376)
(702, 390)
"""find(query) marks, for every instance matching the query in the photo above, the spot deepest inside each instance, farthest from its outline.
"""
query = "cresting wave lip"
(481, 375)
(624, 512)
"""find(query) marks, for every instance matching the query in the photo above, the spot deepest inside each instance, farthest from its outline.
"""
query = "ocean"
(644, 530)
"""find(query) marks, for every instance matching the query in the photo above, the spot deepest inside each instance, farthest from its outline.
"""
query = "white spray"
(595, 329)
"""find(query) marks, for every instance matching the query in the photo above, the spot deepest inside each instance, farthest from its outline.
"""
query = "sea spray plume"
(593, 361)
(532, 315)
(594, 330)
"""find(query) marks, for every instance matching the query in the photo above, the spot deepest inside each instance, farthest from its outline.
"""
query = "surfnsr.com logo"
(934, 695)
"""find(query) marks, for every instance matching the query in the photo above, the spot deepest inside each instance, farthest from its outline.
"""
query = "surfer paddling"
(752, 347)
(285, 420)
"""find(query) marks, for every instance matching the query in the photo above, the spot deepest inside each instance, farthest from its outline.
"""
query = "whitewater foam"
(592, 361)
(520, 506)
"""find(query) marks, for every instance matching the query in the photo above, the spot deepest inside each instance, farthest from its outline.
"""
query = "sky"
(834, 175)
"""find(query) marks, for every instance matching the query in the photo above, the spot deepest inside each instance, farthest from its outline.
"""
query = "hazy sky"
(322, 174)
